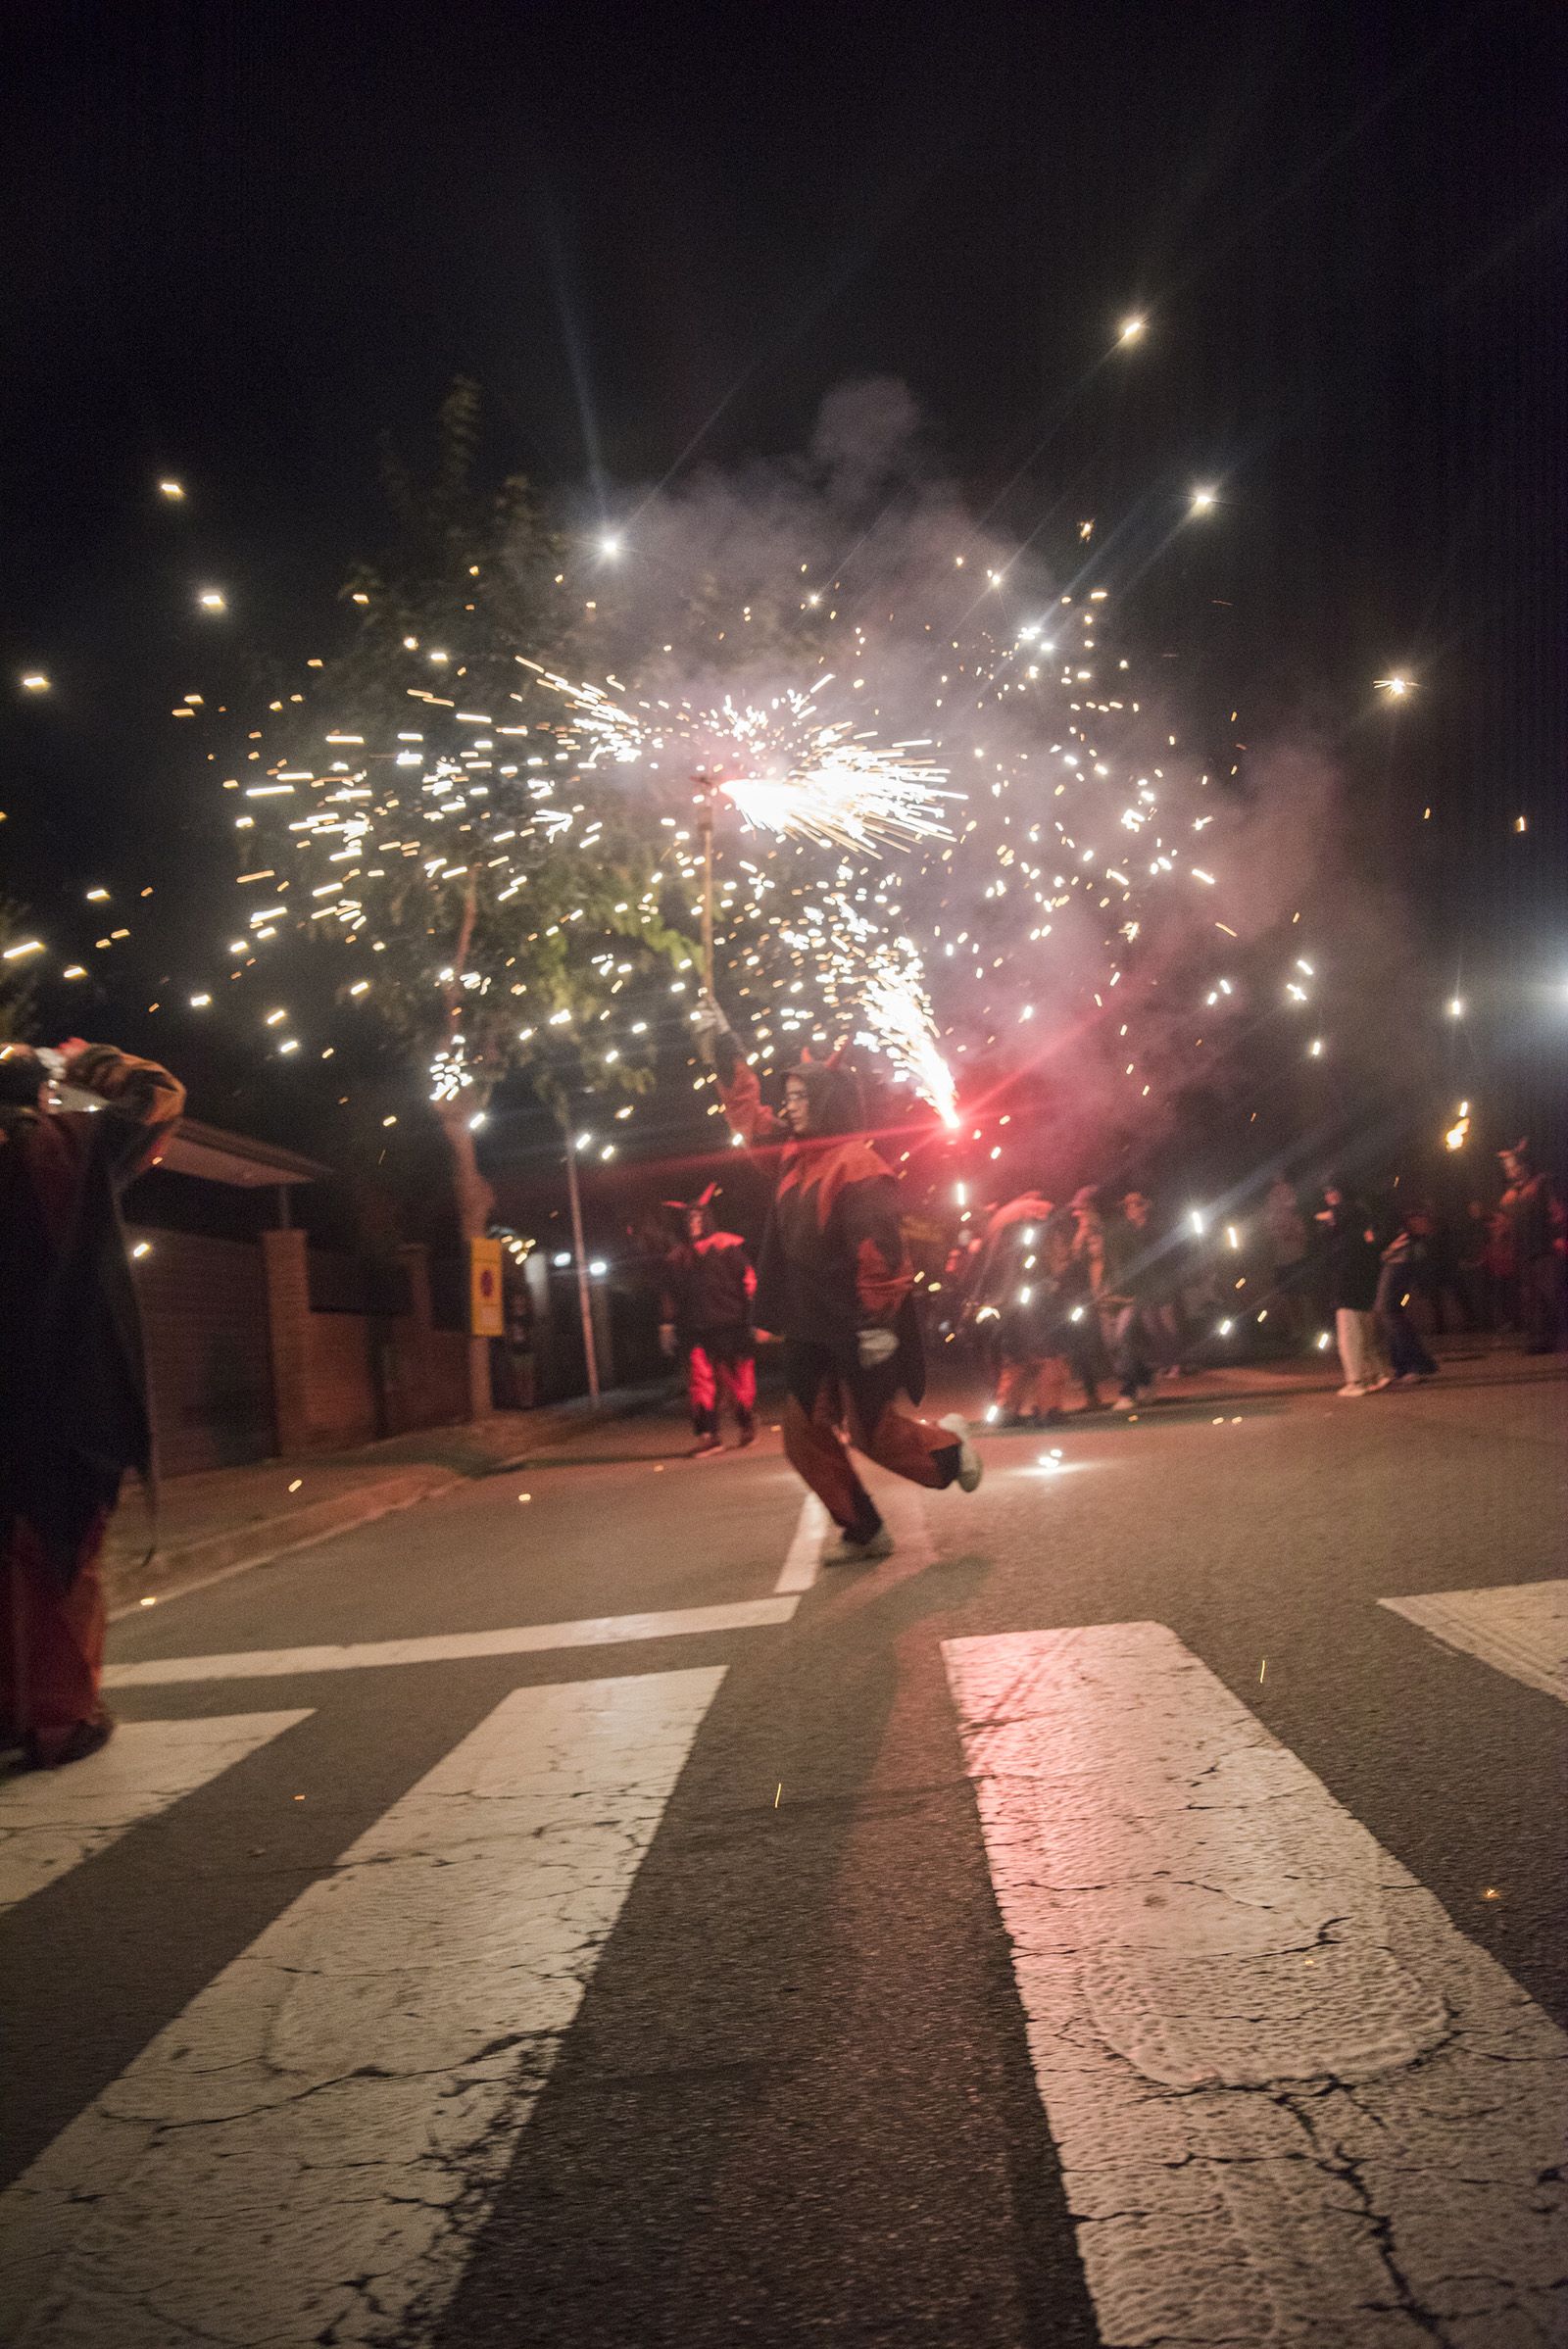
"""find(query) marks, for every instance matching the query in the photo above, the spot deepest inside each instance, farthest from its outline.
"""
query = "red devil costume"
(709, 1288)
(72, 1381)
(835, 1282)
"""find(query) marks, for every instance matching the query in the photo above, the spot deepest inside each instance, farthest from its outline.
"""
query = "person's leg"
(1012, 1390)
(1374, 1352)
(52, 1647)
(1352, 1358)
(1051, 1386)
(742, 1389)
(701, 1389)
(916, 1448)
(814, 1449)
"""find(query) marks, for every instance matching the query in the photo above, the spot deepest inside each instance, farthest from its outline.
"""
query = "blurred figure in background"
(1289, 1243)
(1399, 1278)
(1537, 1228)
(1354, 1266)
(1018, 1290)
(709, 1284)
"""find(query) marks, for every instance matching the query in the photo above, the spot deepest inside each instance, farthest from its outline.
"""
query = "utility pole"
(585, 1303)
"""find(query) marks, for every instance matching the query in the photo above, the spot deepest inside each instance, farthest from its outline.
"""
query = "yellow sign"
(485, 1318)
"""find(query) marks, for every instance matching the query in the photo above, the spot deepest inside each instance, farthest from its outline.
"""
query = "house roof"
(210, 1155)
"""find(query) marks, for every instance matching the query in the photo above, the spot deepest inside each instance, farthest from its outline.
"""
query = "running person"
(834, 1281)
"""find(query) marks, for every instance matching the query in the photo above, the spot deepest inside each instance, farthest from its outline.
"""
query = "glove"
(711, 1024)
(876, 1347)
(667, 1339)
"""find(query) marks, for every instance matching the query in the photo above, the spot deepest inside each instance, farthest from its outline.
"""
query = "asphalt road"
(846, 1965)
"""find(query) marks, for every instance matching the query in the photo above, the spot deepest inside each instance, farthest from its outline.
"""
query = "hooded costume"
(73, 1412)
(709, 1284)
(836, 1283)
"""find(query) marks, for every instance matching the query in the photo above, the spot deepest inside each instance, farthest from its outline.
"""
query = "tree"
(414, 837)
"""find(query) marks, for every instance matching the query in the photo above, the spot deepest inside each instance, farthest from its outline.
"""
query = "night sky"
(243, 242)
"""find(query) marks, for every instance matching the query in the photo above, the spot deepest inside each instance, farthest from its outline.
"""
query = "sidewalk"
(228, 1518)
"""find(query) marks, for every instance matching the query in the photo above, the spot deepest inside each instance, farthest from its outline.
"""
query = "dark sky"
(241, 241)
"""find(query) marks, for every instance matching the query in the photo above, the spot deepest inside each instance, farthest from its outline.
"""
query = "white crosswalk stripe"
(314, 2143)
(1292, 2104)
(448, 1647)
(1518, 1627)
(51, 1820)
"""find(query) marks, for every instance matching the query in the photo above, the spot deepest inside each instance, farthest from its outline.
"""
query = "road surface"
(1131, 1915)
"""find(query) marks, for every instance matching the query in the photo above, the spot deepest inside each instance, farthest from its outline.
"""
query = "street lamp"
(1133, 330)
(1203, 501)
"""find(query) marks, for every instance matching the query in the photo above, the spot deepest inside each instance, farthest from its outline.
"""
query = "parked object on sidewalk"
(73, 1380)
(835, 1282)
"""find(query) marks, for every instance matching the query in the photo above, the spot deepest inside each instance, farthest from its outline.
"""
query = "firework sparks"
(800, 776)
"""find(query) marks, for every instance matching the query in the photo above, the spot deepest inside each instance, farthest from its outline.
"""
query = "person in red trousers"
(835, 1283)
(706, 1309)
(73, 1382)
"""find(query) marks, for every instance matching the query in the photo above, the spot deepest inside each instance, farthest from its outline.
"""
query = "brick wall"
(204, 1310)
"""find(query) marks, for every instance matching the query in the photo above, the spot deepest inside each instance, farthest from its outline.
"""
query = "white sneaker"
(860, 1553)
(1355, 1389)
(970, 1470)
(1377, 1385)
(1125, 1403)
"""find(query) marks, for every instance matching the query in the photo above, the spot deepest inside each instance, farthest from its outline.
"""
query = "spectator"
(1400, 1273)
(1289, 1241)
(706, 1311)
(1020, 1290)
(1535, 1227)
(1354, 1267)
(1146, 1336)
(72, 1379)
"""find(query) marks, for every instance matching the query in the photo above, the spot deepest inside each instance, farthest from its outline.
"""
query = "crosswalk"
(1290, 2101)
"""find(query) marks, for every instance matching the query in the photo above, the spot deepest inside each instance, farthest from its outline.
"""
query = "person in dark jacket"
(1403, 1264)
(1019, 1285)
(1538, 1227)
(707, 1312)
(1354, 1264)
(834, 1281)
(72, 1379)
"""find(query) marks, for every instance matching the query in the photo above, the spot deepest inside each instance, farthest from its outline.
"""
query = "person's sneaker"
(1353, 1388)
(1053, 1419)
(1125, 1403)
(1376, 1386)
(860, 1553)
(705, 1447)
(969, 1469)
(748, 1432)
(1408, 1377)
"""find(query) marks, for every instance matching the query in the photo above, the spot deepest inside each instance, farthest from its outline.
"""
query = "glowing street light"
(36, 683)
(173, 491)
(1203, 501)
(211, 600)
(610, 546)
(1456, 1006)
(1395, 687)
(1133, 330)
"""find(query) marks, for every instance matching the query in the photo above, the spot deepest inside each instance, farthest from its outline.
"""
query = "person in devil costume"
(835, 1283)
(706, 1313)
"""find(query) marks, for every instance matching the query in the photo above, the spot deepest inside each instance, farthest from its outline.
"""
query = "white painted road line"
(1519, 1627)
(528, 1639)
(311, 2149)
(803, 1557)
(1292, 2104)
(51, 1820)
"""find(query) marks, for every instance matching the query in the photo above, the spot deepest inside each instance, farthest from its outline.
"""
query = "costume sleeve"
(144, 1100)
(747, 1112)
(883, 1273)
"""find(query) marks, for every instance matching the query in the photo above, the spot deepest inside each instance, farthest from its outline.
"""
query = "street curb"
(169, 1573)
(194, 1565)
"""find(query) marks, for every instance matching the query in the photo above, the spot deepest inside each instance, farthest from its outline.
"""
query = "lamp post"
(581, 1254)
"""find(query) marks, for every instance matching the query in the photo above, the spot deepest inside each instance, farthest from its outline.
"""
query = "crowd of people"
(1100, 1293)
